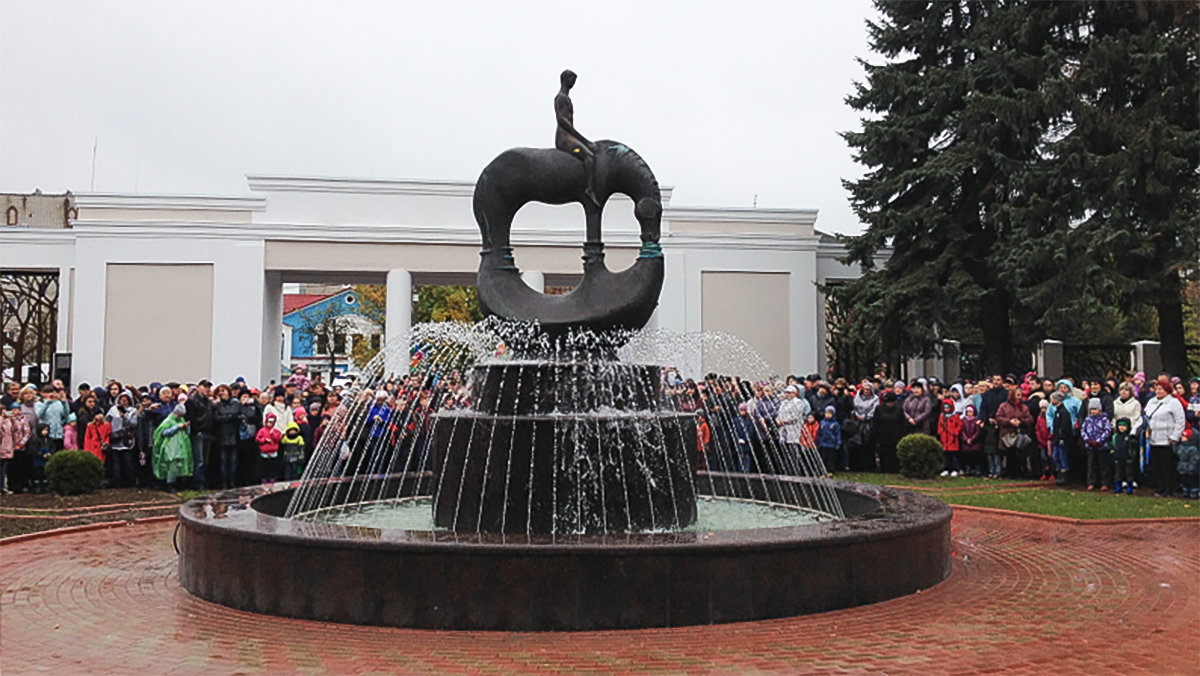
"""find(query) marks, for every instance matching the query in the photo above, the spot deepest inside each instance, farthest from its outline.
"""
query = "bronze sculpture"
(604, 299)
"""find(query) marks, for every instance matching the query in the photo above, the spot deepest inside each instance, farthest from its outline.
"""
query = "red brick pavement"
(1026, 596)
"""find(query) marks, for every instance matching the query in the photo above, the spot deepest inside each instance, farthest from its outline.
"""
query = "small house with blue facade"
(303, 313)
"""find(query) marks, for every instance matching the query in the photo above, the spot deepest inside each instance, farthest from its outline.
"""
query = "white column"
(398, 321)
(272, 327)
(534, 280)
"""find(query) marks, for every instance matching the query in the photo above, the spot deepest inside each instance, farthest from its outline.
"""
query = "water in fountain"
(496, 427)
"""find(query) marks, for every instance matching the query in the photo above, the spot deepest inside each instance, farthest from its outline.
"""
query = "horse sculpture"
(604, 299)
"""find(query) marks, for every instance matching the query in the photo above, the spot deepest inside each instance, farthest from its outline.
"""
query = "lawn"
(1049, 499)
(939, 482)
(1077, 504)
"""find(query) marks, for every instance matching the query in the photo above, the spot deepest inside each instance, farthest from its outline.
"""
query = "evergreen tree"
(1110, 206)
(954, 112)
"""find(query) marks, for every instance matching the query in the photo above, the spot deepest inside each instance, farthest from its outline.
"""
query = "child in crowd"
(97, 437)
(292, 448)
(1062, 430)
(1124, 454)
(45, 446)
(1188, 464)
(1096, 433)
(268, 439)
(971, 442)
(949, 433)
(829, 439)
(70, 434)
(809, 437)
(1042, 431)
(703, 439)
(14, 434)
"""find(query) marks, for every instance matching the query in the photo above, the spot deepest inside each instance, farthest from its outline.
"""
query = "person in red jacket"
(270, 465)
(949, 431)
(97, 437)
(703, 440)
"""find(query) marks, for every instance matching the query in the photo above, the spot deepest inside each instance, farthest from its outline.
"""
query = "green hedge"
(74, 472)
(920, 456)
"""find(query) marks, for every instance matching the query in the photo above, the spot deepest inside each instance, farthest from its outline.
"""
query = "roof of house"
(296, 301)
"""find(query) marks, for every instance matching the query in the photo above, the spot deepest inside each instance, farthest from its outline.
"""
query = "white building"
(159, 287)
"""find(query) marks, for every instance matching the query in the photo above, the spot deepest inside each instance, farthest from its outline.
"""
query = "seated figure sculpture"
(576, 170)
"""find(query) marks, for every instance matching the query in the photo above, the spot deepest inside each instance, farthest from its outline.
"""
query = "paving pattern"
(1026, 596)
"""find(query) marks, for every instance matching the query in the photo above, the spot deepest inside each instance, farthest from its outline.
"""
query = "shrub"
(920, 456)
(74, 472)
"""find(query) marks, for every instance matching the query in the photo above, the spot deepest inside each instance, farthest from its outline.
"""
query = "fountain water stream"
(510, 430)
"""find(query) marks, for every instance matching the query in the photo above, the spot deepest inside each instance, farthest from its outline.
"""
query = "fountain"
(540, 470)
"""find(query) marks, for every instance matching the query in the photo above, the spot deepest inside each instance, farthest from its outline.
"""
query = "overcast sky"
(724, 100)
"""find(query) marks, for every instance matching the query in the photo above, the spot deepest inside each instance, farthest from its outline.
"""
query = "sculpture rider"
(568, 139)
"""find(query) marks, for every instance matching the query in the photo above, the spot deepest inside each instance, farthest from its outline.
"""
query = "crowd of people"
(174, 436)
(1108, 434)
(1104, 433)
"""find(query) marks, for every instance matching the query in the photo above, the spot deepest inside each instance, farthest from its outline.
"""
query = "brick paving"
(1026, 596)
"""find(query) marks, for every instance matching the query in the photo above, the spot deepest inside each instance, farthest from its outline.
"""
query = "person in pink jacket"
(268, 438)
(14, 432)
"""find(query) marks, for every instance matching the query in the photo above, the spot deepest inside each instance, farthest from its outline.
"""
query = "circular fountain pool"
(713, 513)
(568, 489)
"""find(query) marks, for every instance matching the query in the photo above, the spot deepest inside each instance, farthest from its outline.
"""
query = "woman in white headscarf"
(960, 399)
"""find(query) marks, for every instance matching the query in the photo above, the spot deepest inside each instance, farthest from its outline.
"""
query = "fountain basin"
(237, 550)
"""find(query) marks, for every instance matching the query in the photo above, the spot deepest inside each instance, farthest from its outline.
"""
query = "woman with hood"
(960, 399)
(123, 417)
(172, 456)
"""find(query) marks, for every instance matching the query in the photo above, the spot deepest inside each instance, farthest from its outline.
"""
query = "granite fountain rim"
(898, 513)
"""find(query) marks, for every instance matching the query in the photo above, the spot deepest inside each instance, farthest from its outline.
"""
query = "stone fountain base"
(240, 552)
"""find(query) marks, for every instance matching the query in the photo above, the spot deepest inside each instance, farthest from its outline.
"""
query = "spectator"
(1062, 431)
(1014, 426)
(889, 426)
(1096, 432)
(199, 409)
(44, 447)
(14, 434)
(1188, 465)
(12, 395)
(950, 434)
(829, 439)
(172, 455)
(291, 447)
(917, 408)
(269, 438)
(278, 407)
(122, 420)
(971, 446)
(53, 413)
(96, 439)
(1164, 419)
(227, 425)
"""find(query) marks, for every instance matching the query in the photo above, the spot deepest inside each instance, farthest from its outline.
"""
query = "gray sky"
(724, 100)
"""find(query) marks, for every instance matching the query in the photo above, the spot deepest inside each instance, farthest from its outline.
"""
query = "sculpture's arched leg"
(593, 248)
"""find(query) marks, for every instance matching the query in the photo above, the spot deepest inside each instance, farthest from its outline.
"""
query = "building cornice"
(18, 234)
(371, 186)
(400, 234)
(741, 215)
(172, 202)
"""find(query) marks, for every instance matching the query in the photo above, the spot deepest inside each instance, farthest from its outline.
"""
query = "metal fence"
(972, 364)
(1097, 361)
